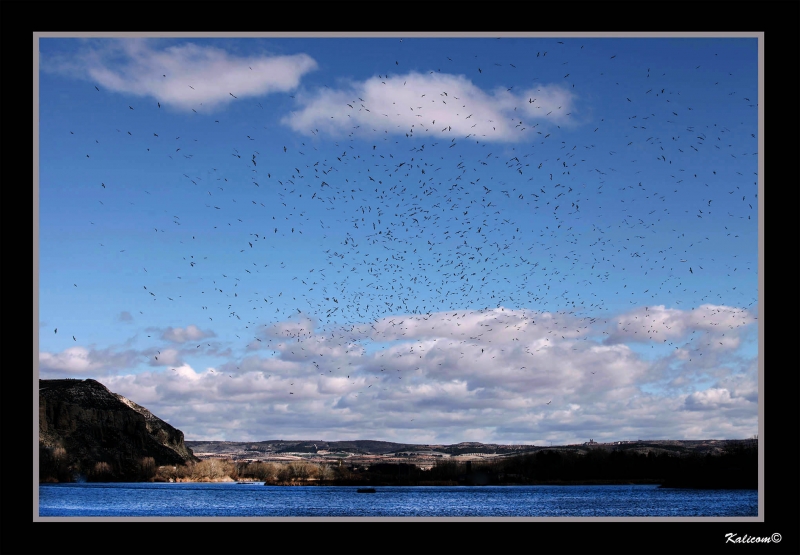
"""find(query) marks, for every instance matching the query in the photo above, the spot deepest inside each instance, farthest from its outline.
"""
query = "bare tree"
(101, 471)
(325, 472)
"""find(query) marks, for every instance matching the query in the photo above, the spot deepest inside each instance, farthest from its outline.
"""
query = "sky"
(420, 240)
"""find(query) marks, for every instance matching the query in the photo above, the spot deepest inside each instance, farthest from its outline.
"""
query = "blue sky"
(515, 240)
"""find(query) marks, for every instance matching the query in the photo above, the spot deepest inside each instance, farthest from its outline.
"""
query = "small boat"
(365, 490)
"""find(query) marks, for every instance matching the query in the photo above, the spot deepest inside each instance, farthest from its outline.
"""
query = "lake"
(189, 499)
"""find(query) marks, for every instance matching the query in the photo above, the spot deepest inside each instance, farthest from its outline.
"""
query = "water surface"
(251, 500)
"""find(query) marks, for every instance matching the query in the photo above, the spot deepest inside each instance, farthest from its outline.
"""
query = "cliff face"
(86, 430)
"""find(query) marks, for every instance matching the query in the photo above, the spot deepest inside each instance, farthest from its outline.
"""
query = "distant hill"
(260, 449)
(88, 432)
(295, 446)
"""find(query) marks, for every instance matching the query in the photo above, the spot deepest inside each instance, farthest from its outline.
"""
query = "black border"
(778, 20)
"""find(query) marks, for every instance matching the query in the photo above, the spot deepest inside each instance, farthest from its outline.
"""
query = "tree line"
(736, 467)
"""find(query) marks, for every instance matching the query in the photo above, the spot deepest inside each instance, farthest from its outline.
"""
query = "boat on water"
(365, 490)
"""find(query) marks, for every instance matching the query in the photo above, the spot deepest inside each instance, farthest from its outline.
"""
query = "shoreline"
(662, 484)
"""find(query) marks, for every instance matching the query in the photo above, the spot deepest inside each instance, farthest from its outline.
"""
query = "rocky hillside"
(88, 432)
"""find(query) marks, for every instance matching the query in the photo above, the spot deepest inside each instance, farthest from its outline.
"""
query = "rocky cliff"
(88, 432)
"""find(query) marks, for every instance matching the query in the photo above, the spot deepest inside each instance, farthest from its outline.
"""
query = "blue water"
(250, 500)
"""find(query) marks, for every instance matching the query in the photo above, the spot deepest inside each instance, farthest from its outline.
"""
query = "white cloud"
(70, 361)
(167, 357)
(80, 361)
(744, 385)
(187, 76)
(723, 324)
(714, 317)
(439, 105)
(511, 375)
(714, 399)
(189, 333)
(303, 327)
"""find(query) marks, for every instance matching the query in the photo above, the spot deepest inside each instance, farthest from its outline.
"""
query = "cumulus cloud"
(167, 357)
(81, 361)
(511, 375)
(436, 104)
(713, 399)
(742, 385)
(302, 327)
(186, 76)
(189, 333)
(658, 323)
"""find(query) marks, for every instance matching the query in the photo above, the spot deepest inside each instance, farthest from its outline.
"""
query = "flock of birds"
(409, 231)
